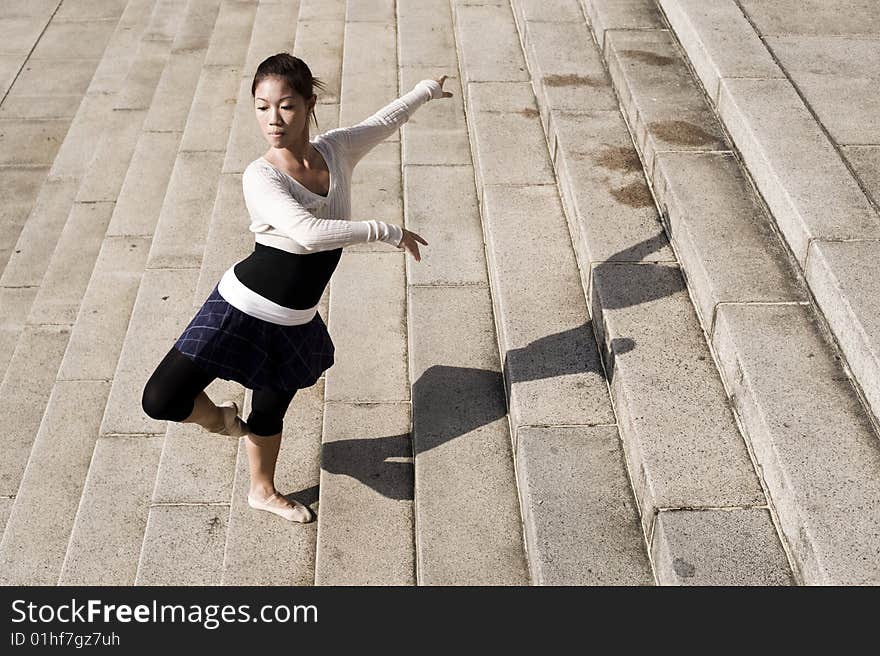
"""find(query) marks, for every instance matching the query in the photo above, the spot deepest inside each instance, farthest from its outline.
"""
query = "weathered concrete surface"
(719, 547)
(580, 518)
(722, 235)
(365, 522)
(817, 450)
(468, 526)
(844, 277)
(806, 185)
(719, 41)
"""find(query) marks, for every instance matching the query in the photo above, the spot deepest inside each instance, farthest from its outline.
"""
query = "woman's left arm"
(361, 138)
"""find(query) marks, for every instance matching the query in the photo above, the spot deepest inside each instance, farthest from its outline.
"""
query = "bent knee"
(158, 405)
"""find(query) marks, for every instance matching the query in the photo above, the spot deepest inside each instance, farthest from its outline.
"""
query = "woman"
(260, 325)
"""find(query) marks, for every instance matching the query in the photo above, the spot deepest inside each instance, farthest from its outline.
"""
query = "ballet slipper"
(296, 513)
(233, 425)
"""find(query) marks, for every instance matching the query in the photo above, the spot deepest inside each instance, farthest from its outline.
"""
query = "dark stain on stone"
(528, 112)
(635, 195)
(618, 158)
(681, 133)
(646, 57)
(683, 568)
(572, 80)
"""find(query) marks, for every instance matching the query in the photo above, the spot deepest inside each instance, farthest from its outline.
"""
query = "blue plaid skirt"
(232, 345)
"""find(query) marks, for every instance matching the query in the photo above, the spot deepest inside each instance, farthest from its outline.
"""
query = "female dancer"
(260, 325)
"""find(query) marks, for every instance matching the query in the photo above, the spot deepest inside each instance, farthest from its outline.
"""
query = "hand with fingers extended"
(410, 242)
(440, 80)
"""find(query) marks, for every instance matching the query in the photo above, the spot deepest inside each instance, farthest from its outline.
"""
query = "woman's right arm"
(269, 202)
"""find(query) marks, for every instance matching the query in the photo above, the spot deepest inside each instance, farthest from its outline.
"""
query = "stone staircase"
(639, 349)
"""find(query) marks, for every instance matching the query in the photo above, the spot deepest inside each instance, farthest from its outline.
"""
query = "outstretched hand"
(410, 242)
(440, 80)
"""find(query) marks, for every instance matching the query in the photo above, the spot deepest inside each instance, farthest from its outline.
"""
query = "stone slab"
(322, 10)
(19, 34)
(231, 34)
(663, 104)
(35, 541)
(15, 302)
(581, 520)
(81, 138)
(498, 138)
(320, 43)
(812, 17)
(246, 140)
(610, 209)
(680, 436)
(19, 188)
(24, 392)
(370, 10)
(806, 185)
(425, 35)
(143, 76)
(228, 240)
(366, 480)
(39, 235)
(297, 474)
(844, 278)
(723, 236)
(53, 77)
(568, 11)
(818, 453)
(376, 191)
(183, 545)
(74, 40)
(719, 547)
(161, 312)
(719, 41)
(552, 366)
(462, 443)
(369, 71)
(865, 162)
(441, 206)
(31, 142)
(368, 326)
(140, 199)
(838, 77)
(174, 93)
(198, 466)
(71, 267)
(274, 31)
(196, 29)
(180, 234)
(96, 336)
(106, 174)
(212, 110)
(488, 54)
(607, 15)
(444, 115)
(106, 540)
(10, 65)
(567, 71)
(40, 107)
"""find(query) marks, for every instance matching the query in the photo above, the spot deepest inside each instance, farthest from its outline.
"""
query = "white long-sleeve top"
(285, 214)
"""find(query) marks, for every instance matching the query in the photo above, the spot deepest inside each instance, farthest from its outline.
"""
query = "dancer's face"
(283, 114)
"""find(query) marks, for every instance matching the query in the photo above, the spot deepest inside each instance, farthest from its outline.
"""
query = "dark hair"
(294, 71)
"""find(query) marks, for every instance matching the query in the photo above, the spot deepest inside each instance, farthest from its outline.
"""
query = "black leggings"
(171, 391)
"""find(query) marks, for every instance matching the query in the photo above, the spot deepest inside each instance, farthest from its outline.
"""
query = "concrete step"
(810, 184)
(556, 388)
(738, 267)
(19, 446)
(43, 80)
(640, 306)
(76, 96)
